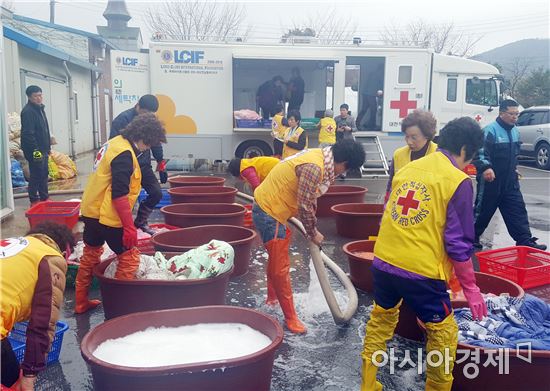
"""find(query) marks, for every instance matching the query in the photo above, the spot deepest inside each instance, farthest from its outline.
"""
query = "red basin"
(359, 267)
(358, 221)
(180, 181)
(203, 194)
(251, 372)
(126, 297)
(185, 239)
(338, 194)
(191, 215)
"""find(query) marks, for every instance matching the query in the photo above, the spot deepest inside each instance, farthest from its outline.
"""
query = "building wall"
(104, 90)
(28, 66)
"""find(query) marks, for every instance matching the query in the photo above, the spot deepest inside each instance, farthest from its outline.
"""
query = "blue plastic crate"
(165, 200)
(18, 338)
(249, 123)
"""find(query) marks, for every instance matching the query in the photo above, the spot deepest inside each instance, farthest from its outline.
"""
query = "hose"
(320, 259)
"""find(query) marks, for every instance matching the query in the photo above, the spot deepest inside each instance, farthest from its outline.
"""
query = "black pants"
(508, 199)
(150, 183)
(38, 182)
(96, 234)
(278, 146)
(10, 366)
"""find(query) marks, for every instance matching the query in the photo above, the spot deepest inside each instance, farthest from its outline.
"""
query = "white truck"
(200, 85)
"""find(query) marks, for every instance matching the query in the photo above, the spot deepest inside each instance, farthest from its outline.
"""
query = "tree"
(327, 30)
(534, 89)
(514, 72)
(196, 20)
(441, 38)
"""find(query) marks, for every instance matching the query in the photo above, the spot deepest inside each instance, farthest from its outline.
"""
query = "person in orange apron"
(291, 189)
(107, 203)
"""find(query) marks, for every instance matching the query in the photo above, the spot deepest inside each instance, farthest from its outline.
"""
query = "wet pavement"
(328, 357)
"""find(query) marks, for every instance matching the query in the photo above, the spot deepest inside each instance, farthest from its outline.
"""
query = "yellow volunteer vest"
(293, 136)
(96, 200)
(278, 130)
(411, 234)
(402, 156)
(277, 194)
(19, 259)
(262, 164)
(327, 133)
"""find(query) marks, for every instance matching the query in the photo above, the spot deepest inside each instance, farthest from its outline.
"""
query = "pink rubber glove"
(129, 237)
(464, 271)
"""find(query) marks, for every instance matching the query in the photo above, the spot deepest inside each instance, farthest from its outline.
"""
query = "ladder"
(376, 164)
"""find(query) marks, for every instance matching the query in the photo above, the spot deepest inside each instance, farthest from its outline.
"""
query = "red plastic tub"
(203, 194)
(358, 221)
(181, 181)
(145, 245)
(526, 266)
(359, 264)
(248, 223)
(191, 215)
(64, 212)
(251, 372)
(339, 194)
(184, 239)
(121, 297)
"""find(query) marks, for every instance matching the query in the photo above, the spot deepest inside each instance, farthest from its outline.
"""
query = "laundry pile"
(511, 321)
(206, 261)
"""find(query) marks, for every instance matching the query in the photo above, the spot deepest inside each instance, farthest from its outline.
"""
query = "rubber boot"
(142, 216)
(278, 270)
(271, 294)
(128, 264)
(91, 256)
(380, 328)
(443, 337)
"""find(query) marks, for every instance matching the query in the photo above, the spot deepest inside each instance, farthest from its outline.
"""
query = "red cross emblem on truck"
(403, 104)
(408, 202)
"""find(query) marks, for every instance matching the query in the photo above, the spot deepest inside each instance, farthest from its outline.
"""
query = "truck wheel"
(253, 148)
(542, 155)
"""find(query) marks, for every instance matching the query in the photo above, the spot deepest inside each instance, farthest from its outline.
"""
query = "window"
(405, 74)
(481, 92)
(538, 118)
(524, 118)
(451, 90)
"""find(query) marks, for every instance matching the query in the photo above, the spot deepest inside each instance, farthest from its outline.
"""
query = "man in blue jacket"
(149, 182)
(497, 179)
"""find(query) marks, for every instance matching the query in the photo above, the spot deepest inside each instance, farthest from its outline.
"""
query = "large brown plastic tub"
(122, 297)
(203, 194)
(339, 194)
(358, 221)
(247, 373)
(180, 181)
(359, 266)
(192, 215)
(184, 239)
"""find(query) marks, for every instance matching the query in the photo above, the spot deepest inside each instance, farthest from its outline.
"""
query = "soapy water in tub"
(156, 347)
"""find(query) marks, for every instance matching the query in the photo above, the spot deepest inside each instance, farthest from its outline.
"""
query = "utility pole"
(52, 11)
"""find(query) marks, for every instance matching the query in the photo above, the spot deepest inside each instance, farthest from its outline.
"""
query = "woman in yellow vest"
(327, 130)
(32, 281)
(295, 137)
(254, 170)
(419, 128)
(278, 130)
(107, 203)
(291, 189)
(426, 230)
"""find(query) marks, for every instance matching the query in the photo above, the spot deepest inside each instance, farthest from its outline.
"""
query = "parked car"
(534, 127)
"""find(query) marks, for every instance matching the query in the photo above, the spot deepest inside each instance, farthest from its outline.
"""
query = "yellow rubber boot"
(442, 337)
(380, 328)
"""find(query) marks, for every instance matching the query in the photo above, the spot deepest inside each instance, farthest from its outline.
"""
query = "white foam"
(155, 347)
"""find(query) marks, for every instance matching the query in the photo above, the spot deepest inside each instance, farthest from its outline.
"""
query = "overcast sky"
(497, 22)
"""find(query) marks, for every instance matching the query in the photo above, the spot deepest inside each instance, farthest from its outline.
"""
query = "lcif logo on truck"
(183, 56)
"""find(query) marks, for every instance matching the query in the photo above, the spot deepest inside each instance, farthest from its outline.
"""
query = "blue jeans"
(267, 225)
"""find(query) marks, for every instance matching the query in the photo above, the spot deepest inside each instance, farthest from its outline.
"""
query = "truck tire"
(542, 156)
(253, 148)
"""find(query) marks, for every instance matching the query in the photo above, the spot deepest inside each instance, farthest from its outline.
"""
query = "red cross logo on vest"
(403, 104)
(478, 118)
(330, 128)
(5, 243)
(408, 202)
